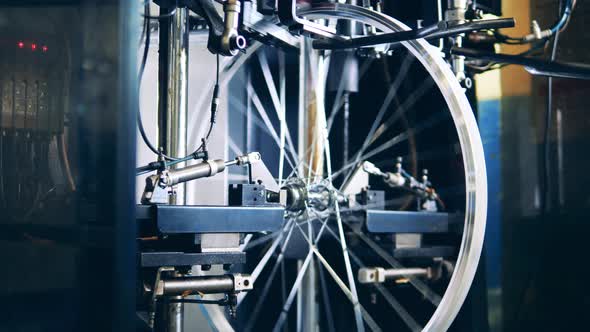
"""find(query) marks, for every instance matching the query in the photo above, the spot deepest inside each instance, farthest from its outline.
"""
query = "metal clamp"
(231, 42)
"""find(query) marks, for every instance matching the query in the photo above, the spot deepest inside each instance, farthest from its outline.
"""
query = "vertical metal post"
(175, 316)
(345, 127)
(172, 116)
(302, 142)
(560, 170)
(174, 95)
(249, 119)
(307, 307)
(456, 12)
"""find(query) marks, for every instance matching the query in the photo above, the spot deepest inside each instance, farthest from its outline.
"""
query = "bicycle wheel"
(306, 275)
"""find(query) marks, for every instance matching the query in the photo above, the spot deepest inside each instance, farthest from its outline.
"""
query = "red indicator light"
(20, 44)
(33, 47)
(44, 48)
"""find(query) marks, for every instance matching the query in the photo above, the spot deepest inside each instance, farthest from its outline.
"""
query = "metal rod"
(401, 311)
(345, 127)
(177, 90)
(197, 171)
(201, 284)
(175, 316)
(418, 284)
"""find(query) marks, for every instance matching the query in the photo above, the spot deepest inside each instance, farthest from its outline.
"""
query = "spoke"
(258, 106)
(348, 292)
(253, 119)
(327, 308)
(402, 137)
(394, 141)
(247, 240)
(293, 292)
(351, 282)
(234, 147)
(283, 103)
(279, 108)
(418, 284)
(259, 123)
(410, 101)
(258, 269)
(338, 100)
(283, 283)
(261, 240)
(362, 72)
(260, 109)
(268, 283)
(408, 60)
(401, 311)
(312, 147)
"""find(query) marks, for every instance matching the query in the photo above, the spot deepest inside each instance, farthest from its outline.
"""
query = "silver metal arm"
(156, 188)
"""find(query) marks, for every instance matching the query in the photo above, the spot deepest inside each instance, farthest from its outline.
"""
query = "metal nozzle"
(249, 159)
(371, 169)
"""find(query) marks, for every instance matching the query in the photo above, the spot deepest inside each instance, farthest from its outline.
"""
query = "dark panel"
(67, 155)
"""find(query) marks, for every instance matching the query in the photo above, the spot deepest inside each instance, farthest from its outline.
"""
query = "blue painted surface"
(490, 126)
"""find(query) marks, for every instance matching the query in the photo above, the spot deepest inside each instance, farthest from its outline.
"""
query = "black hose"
(146, 48)
(436, 31)
(534, 66)
(146, 140)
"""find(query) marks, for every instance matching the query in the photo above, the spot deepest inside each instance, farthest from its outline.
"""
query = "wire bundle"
(200, 152)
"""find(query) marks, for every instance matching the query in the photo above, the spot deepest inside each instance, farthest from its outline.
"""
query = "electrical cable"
(535, 66)
(546, 34)
(492, 65)
(200, 152)
(146, 48)
(161, 16)
(546, 201)
(545, 179)
(214, 100)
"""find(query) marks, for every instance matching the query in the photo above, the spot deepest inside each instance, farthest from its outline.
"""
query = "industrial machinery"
(324, 171)
(358, 192)
(321, 169)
